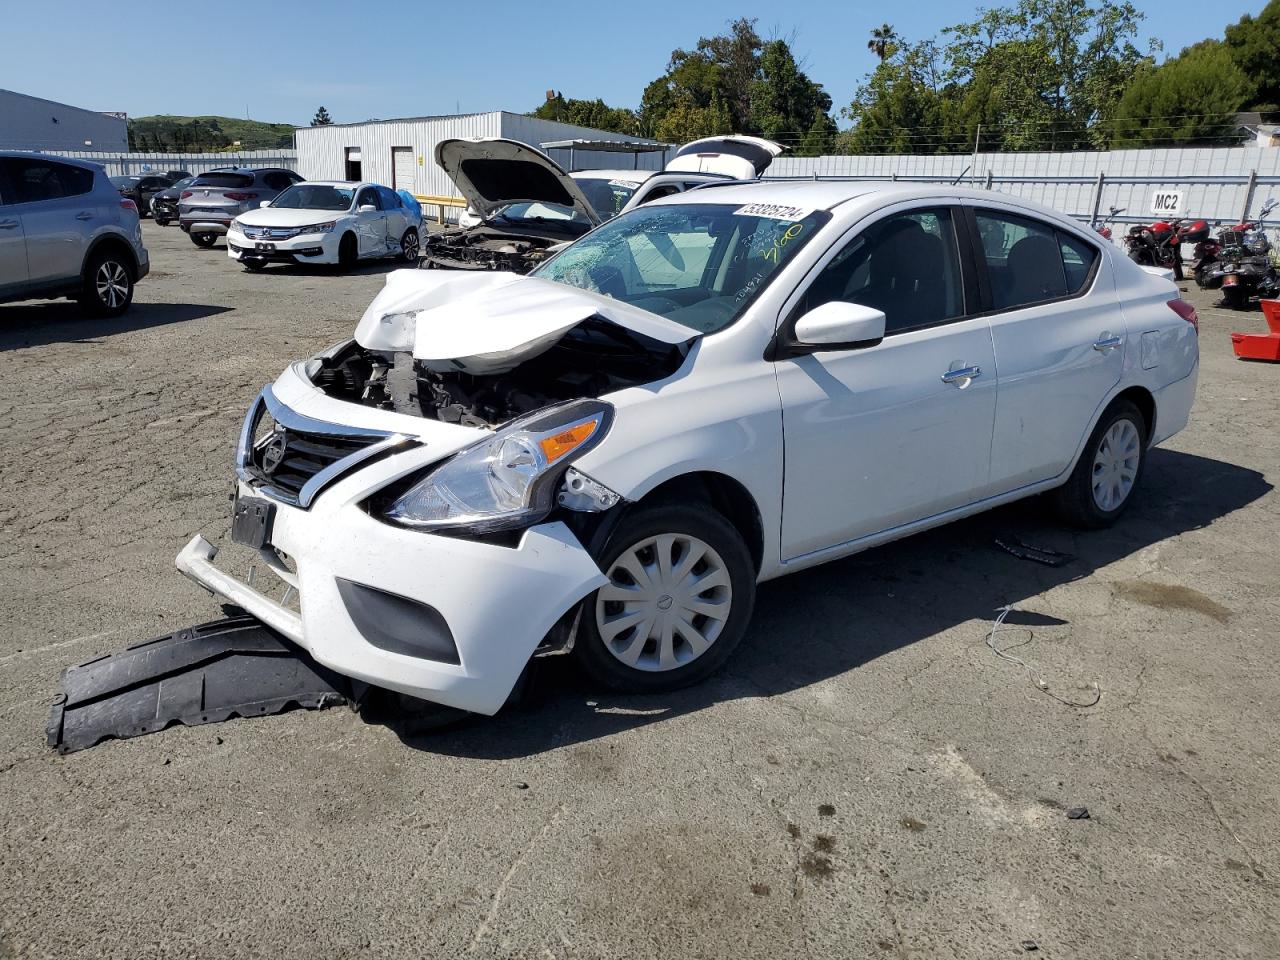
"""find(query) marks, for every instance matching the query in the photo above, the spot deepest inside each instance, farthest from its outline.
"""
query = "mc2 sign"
(1167, 203)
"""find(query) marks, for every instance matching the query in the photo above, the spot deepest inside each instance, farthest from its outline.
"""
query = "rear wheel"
(679, 598)
(409, 246)
(204, 239)
(107, 288)
(1109, 469)
(348, 253)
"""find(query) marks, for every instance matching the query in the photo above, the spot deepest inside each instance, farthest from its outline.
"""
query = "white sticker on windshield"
(628, 184)
(774, 211)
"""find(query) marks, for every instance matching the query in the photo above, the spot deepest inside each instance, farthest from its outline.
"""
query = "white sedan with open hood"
(522, 207)
(706, 392)
(337, 222)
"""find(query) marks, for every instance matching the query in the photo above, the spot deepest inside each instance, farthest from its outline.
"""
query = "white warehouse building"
(32, 123)
(401, 153)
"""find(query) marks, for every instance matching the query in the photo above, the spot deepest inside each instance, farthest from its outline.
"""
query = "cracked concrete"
(866, 779)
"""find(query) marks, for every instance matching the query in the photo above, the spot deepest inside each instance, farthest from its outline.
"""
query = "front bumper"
(307, 248)
(497, 602)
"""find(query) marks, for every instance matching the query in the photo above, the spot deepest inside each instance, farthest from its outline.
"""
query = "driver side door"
(879, 436)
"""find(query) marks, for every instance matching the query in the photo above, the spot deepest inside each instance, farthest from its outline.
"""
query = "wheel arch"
(727, 496)
(1140, 396)
(113, 242)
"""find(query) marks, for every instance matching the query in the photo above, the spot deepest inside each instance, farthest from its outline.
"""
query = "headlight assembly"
(326, 227)
(507, 480)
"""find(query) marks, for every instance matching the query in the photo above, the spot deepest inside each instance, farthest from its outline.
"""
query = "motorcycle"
(1243, 267)
(1104, 230)
(1205, 252)
(1156, 245)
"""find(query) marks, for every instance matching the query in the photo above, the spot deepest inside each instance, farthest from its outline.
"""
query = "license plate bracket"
(264, 246)
(251, 521)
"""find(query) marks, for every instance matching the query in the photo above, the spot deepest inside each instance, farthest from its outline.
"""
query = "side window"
(389, 200)
(906, 265)
(659, 192)
(32, 180)
(277, 180)
(1024, 260)
(1078, 258)
(368, 197)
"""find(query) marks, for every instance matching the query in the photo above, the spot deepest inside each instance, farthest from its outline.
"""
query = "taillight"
(185, 194)
(240, 197)
(127, 204)
(1186, 311)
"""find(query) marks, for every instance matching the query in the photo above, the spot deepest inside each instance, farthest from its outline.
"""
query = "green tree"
(587, 113)
(883, 41)
(786, 105)
(687, 121)
(322, 118)
(899, 108)
(737, 54)
(1189, 99)
(1254, 43)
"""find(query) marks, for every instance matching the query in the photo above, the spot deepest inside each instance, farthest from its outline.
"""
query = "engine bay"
(483, 248)
(592, 359)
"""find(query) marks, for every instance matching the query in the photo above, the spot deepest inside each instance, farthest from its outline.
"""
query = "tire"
(1235, 297)
(348, 252)
(253, 264)
(1101, 486)
(603, 648)
(161, 222)
(107, 288)
(409, 246)
(204, 239)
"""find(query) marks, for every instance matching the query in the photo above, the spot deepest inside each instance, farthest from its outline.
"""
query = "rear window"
(223, 180)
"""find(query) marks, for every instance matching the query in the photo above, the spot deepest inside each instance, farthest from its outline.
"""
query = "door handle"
(8, 224)
(962, 373)
(84, 215)
(1103, 344)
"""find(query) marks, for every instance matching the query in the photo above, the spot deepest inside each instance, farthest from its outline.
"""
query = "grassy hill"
(206, 134)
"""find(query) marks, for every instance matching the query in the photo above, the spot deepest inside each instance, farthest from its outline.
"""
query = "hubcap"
(1115, 465)
(112, 283)
(410, 246)
(667, 601)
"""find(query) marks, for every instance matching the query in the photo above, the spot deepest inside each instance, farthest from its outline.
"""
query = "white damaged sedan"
(709, 391)
(334, 222)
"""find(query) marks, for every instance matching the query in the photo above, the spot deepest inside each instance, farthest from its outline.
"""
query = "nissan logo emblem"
(273, 453)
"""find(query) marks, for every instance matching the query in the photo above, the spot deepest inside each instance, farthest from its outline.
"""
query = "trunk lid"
(743, 158)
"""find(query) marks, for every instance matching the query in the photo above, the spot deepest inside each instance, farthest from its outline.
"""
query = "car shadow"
(863, 607)
(363, 268)
(62, 321)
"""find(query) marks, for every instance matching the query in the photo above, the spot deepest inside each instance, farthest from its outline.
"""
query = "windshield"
(606, 196)
(124, 181)
(699, 264)
(315, 196)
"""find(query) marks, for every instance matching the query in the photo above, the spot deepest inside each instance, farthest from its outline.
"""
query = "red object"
(1186, 311)
(129, 205)
(1261, 346)
(185, 194)
(240, 197)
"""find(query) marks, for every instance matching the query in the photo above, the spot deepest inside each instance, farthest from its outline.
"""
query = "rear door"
(397, 217)
(58, 212)
(1058, 335)
(13, 246)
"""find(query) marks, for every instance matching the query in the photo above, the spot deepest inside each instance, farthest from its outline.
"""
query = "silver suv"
(207, 206)
(65, 231)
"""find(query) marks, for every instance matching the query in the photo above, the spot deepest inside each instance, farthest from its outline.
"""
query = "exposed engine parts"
(592, 359)
(484, 249)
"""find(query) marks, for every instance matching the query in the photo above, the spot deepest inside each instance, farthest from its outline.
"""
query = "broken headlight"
(509, 479)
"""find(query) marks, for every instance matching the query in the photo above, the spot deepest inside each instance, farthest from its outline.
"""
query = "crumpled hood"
(492, 172)
(282, 217)
(487, 323)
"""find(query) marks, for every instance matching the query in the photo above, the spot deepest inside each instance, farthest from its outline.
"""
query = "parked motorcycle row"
(1237, 261)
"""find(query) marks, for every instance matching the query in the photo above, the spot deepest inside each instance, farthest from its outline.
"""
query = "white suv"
(66, 232)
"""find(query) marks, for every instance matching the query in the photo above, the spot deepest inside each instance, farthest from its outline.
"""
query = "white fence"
(124, 164)
(1223, 184)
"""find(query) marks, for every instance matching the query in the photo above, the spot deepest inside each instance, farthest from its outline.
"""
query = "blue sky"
(278, 60)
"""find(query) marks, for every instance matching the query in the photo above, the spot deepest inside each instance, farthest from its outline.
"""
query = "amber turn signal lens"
(557, 445)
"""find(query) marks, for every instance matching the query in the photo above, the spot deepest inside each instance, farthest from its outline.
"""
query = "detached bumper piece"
(204, 674)
(1261, 346)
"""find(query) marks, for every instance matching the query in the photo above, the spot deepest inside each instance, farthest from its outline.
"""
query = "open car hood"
(492, 172)
(488, 323)
(743, 158)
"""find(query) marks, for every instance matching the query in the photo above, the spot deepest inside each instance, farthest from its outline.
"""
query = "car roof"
(634, 176)
(71, 161)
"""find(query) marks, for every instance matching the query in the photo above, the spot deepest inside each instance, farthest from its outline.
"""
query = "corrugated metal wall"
(1217, 183)
(33, 123)
(120, 164)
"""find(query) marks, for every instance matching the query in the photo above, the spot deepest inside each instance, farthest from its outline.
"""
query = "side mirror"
(264, 203)
(366, 208)
(837, 324)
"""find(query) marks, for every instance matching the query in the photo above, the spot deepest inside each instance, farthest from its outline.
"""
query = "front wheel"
(107, 289)
(253, 264)
(680, 594)
(409, 246)
(348, 253)
(1108, 471)
(204, 239)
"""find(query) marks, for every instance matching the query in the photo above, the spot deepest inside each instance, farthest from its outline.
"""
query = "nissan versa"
(704, 393)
